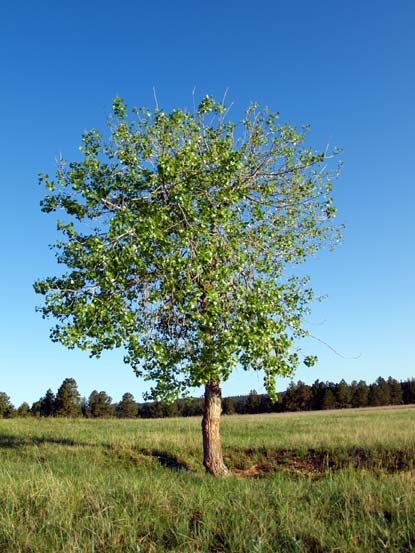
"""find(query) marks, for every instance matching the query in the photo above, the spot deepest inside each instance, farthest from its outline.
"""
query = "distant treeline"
(298, 397)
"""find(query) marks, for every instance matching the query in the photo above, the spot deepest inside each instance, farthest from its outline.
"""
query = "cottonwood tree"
(181, 232)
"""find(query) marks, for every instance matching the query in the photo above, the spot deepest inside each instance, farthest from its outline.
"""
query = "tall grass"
(103, 486)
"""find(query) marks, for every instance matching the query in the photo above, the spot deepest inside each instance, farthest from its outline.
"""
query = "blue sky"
(347, 68)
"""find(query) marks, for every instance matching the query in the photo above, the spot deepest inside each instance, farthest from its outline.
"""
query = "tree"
(379, 393)
(48, 404)
(127, 408)
(408, 391)
(252, 402)
(171, 409)
(395, 390)
(99, 405)
(23, 410)
(329, 398)
(35, 409)
(304, 396)
(318, 390)
(360, 394)
(265, 404)
(228, 406)
(180, 231)
(68, 399)
(343, 395)
(193, 407)
(6, 407)
(153, 410)
(290, 398)
(83, 403)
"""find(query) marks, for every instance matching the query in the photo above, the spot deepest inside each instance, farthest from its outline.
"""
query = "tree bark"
(212, 447)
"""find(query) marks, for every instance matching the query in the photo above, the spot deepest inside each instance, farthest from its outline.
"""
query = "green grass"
(103, 486)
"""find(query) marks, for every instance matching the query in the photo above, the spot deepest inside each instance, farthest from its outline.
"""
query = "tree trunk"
(212, 447)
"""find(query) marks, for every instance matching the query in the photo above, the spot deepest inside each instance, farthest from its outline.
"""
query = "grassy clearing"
(103, 486)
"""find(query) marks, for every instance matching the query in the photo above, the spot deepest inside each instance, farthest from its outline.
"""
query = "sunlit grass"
(101, 486)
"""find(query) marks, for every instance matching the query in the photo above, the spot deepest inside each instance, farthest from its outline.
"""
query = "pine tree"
(23, 410)
(252, 402)
(343, 395)
(318, 390)
(303, 396)
(127, 408)
(379, 393)
(408, 391)
(6, 408)
(360, 394)
(170, 409)
(48, 404)
(329, 399)
(395, 390)
(289, 399)
(35, 409)
(68, 399)
(99, 405)
(228, 406)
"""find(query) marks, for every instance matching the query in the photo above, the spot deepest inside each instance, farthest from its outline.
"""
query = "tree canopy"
(180, 235)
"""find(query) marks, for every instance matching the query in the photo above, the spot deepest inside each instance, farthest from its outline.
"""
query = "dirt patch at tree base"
(257, 463)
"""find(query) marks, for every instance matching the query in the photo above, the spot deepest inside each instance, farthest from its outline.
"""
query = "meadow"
(341, 481)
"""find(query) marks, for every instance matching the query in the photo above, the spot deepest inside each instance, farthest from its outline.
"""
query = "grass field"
(341, 481)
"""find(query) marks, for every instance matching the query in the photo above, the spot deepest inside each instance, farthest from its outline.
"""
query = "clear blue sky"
(347, 68)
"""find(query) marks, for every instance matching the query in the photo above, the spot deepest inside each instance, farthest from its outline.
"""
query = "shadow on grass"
(169, 461)
(13, 441)
(247, 463)
(165, 459)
